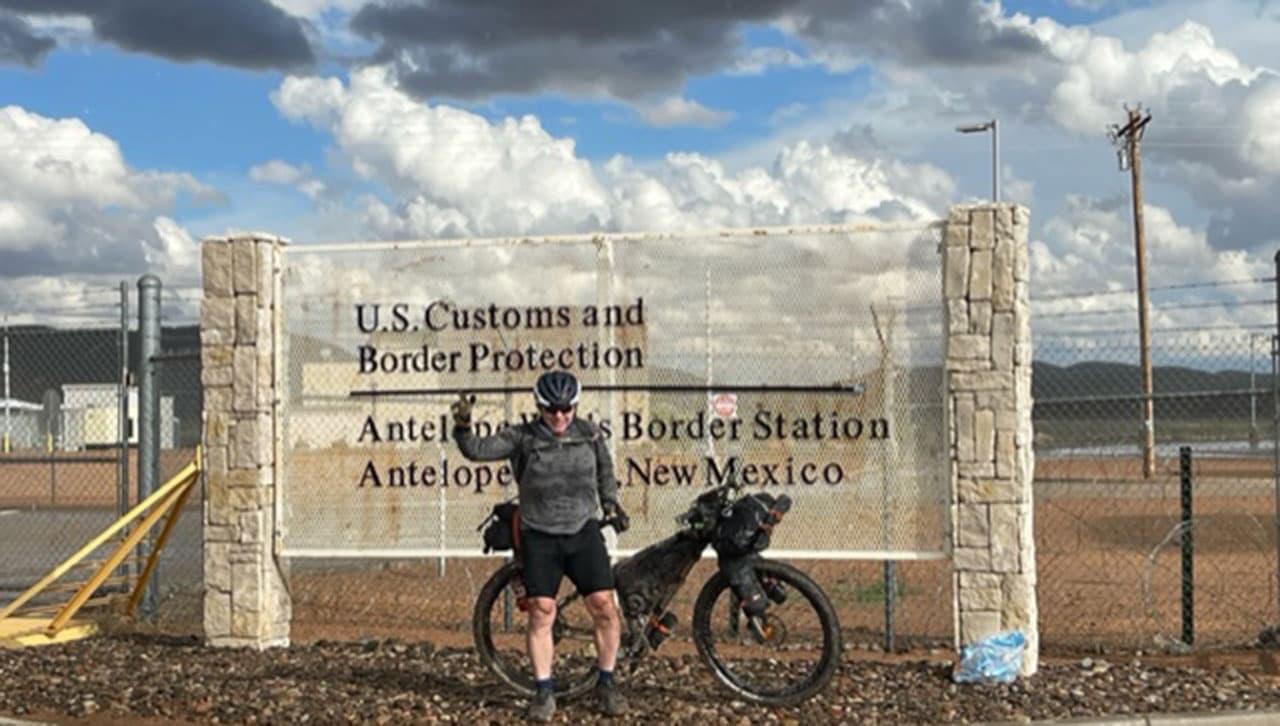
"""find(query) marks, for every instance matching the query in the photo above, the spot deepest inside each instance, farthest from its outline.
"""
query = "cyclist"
(564, 473)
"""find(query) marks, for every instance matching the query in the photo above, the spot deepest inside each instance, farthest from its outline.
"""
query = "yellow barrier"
(167, 500)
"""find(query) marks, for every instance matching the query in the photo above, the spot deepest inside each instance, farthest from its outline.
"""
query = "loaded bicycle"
(764, 628)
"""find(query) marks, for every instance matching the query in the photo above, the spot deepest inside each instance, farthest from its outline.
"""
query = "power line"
(1157, 288)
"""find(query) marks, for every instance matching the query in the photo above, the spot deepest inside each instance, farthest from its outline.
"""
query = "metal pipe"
(122, 405)
(148, 410)
(1188, 550)
(1275, 430)
(8, 430)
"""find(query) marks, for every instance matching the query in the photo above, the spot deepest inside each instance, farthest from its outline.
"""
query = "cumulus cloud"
(450, 172)
(244, 33)
(466, 50)
(680, 111)
(70, 206)
(1089, 247)
(19, 43)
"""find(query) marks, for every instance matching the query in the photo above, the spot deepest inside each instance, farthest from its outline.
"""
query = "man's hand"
(461, 410)
(613, 511)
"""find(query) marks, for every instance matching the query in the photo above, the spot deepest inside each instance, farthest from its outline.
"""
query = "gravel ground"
(149, 678)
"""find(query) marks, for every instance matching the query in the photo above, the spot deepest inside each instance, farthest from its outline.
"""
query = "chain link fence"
(1110, 539)
(69, 441)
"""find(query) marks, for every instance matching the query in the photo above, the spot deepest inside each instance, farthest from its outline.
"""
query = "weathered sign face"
(798, 361)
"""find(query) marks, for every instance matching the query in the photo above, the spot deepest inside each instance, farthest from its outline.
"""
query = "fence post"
(148, 411)
(1188, 550)
(1275, 429)
(122, 406)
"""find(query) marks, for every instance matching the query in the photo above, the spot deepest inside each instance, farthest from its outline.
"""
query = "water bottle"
(522, 600)
(659, 629)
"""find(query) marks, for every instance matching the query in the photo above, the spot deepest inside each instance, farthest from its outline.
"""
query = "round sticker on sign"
(724, 405)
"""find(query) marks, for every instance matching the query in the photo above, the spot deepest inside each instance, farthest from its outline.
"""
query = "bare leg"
(608, 627)
(542, 613)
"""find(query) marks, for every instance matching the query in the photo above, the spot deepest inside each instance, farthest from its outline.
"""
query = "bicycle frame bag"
(747, 590)
(745, 529)
(501, 528)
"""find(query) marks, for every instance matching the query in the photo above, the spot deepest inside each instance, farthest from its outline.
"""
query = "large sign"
(798, 361)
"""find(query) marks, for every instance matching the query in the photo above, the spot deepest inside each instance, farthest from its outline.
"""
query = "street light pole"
(994, 127)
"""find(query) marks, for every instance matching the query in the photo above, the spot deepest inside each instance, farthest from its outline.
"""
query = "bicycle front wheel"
(793, 653)
(498, 627)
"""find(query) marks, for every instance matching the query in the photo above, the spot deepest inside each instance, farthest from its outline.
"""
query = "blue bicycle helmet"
(556, 389)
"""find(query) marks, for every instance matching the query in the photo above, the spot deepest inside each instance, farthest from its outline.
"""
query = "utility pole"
(1126, 139)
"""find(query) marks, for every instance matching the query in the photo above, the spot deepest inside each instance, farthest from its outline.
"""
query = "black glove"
(461, 410)
(613, 511)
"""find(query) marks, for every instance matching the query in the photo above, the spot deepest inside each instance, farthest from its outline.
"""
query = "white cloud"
(313, 9)
(1089, 247)
(453, 173)
(276, 171)
(72, 208)
(680, 111)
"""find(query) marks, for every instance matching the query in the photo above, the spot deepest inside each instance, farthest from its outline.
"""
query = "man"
(564, 473)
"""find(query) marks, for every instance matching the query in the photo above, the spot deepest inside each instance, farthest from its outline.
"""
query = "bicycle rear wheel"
(498, 628)
(792, 657)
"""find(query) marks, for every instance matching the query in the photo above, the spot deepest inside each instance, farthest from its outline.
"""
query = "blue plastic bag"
(994, 659)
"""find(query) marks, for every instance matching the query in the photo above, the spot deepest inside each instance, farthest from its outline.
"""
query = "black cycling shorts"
(549, 557)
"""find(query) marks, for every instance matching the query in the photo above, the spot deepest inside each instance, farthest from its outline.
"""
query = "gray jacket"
(563, 480)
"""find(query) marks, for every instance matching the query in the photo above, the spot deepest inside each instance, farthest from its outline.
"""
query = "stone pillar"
(246, 602)
(988, 403)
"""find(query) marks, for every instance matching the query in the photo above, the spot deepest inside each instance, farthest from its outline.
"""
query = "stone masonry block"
(980, 598)
(957, 315)
(978, 624)
(964, 427)
(217, 398)
(217, 614)
(1006, 453)
(243, 434)
(265, 393)
(984, 435)
(976, 468)
(1018, 611)
(955, 272)
(246, 320)
(244, 385)
(971, 558)
(215, 263)
(973, 528)
(988, 381)
(244, 253)
(213, 355)
(217, 320)
(956, 235)
(215, 375)
(980, 318)
(982, 223)
(981, 580)
(252, 527)
(217, 566)
(246, 586)
(1004, 222)
(217, 428)
(980, 275)
(266, 272)
(968, 346)
(988, 490)
(958, 214)
(1005, 538)
(1002, 341)
(1003, 283)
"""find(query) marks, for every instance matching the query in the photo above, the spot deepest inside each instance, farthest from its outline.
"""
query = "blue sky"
(128, 135)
